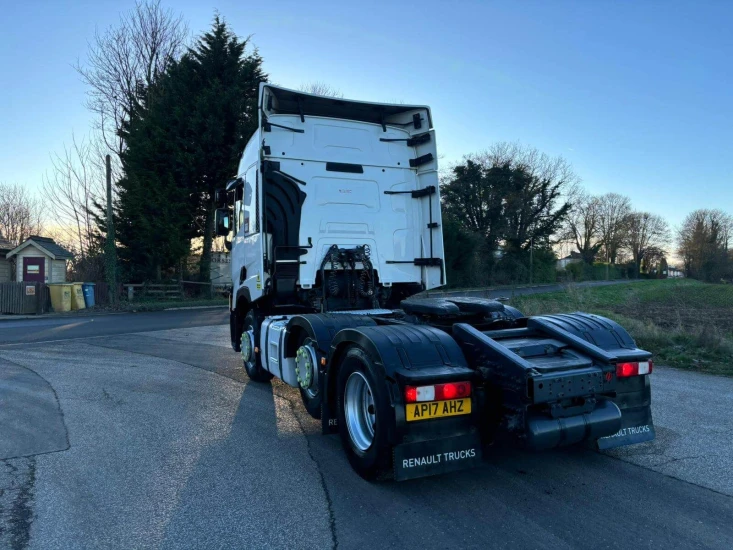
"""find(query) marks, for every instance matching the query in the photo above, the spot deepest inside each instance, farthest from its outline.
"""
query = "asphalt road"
(154, 438)
(52, 328)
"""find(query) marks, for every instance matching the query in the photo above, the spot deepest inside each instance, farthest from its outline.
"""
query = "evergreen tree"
(184, 140)
(224, 91)
(154, 206)
(461, 258)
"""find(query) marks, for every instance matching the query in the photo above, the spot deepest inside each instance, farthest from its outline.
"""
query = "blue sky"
(638, 96)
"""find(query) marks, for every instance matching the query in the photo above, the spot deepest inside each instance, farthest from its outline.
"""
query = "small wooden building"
(40, 260)
(572, 258)
(5, 247)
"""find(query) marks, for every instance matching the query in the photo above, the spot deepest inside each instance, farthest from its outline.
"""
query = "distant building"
(573, 258)
(675, 273)
(40, 260)
(5, 247)
(221, 268)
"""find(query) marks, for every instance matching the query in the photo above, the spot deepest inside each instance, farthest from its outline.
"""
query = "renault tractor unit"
(334, 225)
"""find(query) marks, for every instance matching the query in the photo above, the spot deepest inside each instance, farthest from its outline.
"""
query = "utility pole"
(531, 258)
(110, 251)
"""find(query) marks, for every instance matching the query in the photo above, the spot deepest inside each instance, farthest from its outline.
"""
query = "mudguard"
(416, 355)
(405, 350)
(405, 355)
(322, 327)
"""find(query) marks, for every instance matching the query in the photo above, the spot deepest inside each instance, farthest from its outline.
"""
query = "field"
(686, 324)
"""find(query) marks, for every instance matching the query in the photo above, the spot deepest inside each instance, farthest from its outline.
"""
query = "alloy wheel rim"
(359, 411)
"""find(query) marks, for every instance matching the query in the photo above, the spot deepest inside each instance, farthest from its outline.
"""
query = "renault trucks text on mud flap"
(334, 223)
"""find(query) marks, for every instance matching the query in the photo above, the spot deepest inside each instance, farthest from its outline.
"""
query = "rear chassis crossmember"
(546, 382)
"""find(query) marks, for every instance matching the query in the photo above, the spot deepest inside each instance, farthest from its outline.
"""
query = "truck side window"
(248, 214)
(237, 216)
(240, 214)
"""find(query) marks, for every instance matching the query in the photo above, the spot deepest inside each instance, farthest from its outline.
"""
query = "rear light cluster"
(437, 392)
(624, 370)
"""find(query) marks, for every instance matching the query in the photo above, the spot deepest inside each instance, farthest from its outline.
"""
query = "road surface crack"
(324, 486)
(671, 460)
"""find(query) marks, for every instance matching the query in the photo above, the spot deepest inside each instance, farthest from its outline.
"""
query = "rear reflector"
(624, 370)
(437, 392)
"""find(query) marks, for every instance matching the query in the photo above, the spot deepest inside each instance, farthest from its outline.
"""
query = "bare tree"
(584, 226)
(704, 241)
(513, 197)
(126, 59)
(74, 184)
(553, 185)
(321, 88)
(645, 232)
(21, 214)
(653, 260)
(537, 164)
(613, 210)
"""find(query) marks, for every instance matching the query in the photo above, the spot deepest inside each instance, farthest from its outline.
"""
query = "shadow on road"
(258, 485)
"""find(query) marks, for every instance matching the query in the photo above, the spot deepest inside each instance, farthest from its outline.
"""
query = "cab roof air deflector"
(284, 101)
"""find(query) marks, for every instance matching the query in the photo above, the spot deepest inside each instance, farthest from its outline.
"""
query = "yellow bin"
(77, 296)
(60, 296)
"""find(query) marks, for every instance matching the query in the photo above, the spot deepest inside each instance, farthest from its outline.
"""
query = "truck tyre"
(363, 414)
(312, 404)
(252, 363)
(311, 397)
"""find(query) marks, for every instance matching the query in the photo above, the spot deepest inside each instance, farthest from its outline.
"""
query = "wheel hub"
(247, 346)
(306, 369)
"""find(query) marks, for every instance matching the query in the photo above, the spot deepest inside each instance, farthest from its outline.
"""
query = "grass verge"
(685, 324)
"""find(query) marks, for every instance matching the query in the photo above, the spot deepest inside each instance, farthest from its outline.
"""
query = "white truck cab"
(323, 175)
(335, 207)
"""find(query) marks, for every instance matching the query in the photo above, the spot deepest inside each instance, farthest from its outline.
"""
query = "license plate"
(437, 409)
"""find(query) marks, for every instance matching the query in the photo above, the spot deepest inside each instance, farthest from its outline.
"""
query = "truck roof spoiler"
(276, 100)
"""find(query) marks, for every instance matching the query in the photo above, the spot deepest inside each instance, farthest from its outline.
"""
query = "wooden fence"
(34, 298)
(24, 298)
(149, 290)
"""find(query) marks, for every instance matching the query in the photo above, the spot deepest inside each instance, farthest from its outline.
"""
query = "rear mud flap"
(436, 456)
(636, 427)
(634, 399)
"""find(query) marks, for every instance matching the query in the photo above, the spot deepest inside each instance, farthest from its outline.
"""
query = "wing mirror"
(220, 198)
(223, 222)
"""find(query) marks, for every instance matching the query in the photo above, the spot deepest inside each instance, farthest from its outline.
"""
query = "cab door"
(248, 249)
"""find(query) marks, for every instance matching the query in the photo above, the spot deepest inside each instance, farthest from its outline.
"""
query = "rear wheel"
(363, 416)
(249, 356)
(306, 370)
